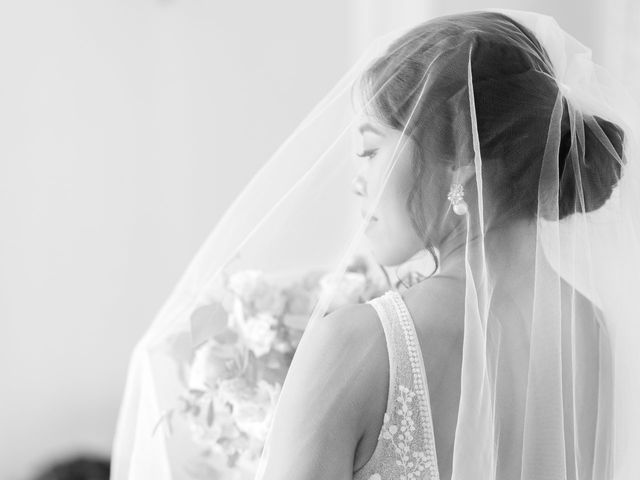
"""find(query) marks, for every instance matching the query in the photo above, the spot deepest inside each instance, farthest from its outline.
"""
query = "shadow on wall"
(79, 467)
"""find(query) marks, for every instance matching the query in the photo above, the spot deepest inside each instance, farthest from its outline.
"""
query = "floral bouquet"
(242, 344)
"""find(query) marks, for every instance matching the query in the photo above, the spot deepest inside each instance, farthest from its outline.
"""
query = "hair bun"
(599, 163)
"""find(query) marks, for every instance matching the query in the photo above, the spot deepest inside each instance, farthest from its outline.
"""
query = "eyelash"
(368, 153)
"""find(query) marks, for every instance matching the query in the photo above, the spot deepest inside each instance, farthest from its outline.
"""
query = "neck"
(505, 246)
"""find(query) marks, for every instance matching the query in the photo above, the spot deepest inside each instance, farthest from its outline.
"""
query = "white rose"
(259, 333)
(253, 288)
(343, 289)
(244, 282)
(232, 390)
(269, 299)
(253, 407)
(212, 361)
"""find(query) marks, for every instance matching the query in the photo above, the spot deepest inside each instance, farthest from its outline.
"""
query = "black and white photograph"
(337, 240)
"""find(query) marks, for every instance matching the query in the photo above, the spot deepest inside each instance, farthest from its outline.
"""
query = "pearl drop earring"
(455, 196)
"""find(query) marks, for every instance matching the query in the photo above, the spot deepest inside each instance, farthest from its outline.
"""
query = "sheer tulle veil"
(513, 109)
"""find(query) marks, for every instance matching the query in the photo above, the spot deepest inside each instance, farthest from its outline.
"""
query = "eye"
(368, 153)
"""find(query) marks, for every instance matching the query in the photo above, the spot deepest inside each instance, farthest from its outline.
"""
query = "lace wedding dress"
(406, 447)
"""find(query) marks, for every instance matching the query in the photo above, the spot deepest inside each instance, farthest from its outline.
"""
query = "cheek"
(394, 198)
(394, 212)
(394, 235)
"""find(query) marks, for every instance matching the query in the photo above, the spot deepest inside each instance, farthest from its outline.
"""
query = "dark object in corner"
(84, 467)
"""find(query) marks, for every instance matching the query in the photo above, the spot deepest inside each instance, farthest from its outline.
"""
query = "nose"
(359, 186)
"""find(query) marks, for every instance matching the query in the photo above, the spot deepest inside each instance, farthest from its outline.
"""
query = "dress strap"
(385, 311)
(407, 381)
(419, 376)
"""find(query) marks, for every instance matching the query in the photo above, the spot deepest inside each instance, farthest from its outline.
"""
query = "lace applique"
(412, 462)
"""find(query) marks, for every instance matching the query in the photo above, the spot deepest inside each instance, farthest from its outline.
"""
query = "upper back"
(436, 306)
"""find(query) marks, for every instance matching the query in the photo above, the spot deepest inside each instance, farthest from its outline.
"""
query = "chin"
(388, 256)
(392, 246)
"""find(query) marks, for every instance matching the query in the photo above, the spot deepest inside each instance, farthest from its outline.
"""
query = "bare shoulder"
(350, 334)
(328, 390)
(360, 351)
(357, 336)
(348, 323)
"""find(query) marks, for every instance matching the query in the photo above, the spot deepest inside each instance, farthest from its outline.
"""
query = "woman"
(490, 140)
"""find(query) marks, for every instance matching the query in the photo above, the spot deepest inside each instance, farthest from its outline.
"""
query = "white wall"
(127, 128)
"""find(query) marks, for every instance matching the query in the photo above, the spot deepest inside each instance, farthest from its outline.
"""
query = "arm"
(322, 409)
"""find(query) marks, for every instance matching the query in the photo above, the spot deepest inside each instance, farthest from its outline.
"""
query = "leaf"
(210, 414)
(246, 356)
(251, 371)
(169, 422)
(227, 336)
(183, 371)
(166, 416)
(158, 423)
(196, 392)
(207, 321)
(187, 405)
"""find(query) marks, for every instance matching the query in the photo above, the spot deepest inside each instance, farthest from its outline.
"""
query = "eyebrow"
(367, 127)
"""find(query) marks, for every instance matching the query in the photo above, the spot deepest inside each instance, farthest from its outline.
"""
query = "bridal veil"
(550, 371)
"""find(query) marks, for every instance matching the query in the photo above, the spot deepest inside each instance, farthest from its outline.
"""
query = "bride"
(491, 142)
